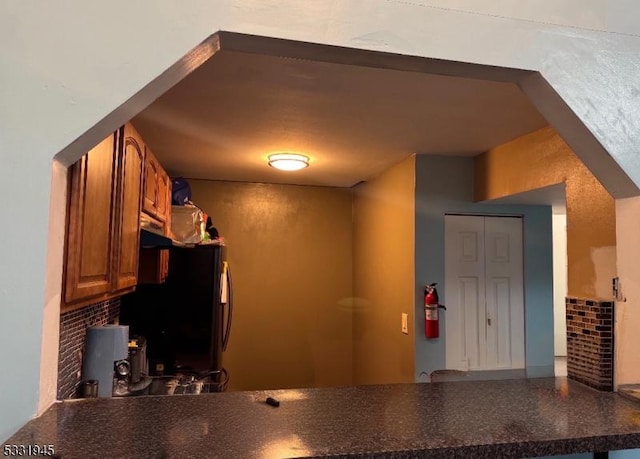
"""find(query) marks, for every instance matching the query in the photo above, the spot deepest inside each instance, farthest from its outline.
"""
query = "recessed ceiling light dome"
(288, 161)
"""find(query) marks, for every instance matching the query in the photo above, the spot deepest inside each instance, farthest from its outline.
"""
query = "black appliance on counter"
(187, 319)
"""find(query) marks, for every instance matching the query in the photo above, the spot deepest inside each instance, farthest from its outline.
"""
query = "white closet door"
(484, 292)
(464, 291)
(504, 293)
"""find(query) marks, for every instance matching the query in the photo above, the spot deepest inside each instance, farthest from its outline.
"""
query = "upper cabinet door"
(157, 187)
(91, 222)
(150, 203)
(164, 195)
(131, 167)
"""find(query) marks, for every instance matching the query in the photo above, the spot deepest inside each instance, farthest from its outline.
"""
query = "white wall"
(52, 287)
(67, 65)
(559, 223)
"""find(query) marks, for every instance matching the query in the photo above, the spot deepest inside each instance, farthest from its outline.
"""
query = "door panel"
(505, 300)
(129, 201)
(469, 246)
(469, 309)
(498, 349)
(164, 185)
(484, 293)
(90, 223)
(464, 288)
(150, 201)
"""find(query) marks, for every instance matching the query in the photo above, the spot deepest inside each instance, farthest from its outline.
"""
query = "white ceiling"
(223, 120)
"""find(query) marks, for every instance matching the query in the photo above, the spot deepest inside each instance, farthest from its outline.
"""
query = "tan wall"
(627, 312)
(289, 249)
(541, 159)
(384, 262)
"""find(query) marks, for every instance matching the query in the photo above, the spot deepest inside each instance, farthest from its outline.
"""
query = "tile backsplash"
(590, 342)
(73, 328)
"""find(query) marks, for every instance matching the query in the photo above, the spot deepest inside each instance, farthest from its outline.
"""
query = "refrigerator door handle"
(225, 336)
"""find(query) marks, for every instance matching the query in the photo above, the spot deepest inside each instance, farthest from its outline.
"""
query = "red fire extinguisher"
(431, 306)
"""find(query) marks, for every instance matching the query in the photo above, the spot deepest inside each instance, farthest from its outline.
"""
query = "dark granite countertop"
(514, 418)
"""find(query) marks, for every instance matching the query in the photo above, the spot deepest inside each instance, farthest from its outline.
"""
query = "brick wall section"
(73, 328)
(590, 342)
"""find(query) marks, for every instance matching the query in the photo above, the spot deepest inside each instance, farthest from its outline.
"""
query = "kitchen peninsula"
(481, 419)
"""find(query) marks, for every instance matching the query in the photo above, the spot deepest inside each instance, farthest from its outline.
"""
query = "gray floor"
(489, 375)
(560, 369)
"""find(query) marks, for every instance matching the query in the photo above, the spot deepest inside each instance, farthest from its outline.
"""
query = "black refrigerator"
(186, 320)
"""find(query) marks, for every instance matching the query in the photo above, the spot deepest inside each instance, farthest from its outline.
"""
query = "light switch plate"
(405, 325)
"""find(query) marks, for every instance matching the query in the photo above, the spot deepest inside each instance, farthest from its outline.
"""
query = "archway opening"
(355, 111)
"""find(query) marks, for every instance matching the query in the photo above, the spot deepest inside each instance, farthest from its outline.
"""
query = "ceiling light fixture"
(288, 161)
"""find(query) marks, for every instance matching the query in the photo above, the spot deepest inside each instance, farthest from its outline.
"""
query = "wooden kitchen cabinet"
(154, 263)
(164, 196)
(150, 200)
(154, 266)
(109, 187)
(91, 223)
(103, 220)
(157, 197)
(130, 180)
